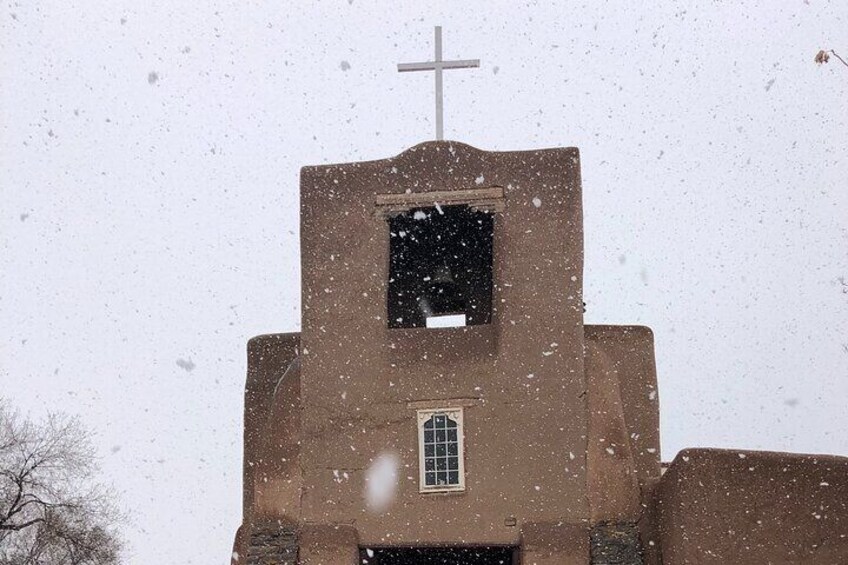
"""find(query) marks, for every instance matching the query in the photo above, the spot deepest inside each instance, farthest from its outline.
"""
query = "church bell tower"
(443, 402)
(443, 328)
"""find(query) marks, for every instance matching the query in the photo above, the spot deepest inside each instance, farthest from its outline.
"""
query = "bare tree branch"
(838, 57)
(19, 527)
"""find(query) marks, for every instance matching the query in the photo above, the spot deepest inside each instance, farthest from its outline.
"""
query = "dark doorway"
(484, 555)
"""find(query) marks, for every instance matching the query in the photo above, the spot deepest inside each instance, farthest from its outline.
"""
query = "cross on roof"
(438, 65)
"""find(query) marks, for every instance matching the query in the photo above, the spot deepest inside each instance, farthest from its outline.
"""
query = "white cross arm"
(433, 65)
(438, 65)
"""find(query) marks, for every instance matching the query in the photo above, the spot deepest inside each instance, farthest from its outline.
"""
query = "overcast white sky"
(149, 206)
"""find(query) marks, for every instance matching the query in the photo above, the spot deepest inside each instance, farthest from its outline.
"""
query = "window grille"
(441, 450)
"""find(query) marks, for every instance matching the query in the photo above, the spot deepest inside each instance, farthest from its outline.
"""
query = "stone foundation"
(616, 544)
(273, 545)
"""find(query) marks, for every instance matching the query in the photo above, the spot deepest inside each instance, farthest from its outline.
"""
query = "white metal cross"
(438, 65)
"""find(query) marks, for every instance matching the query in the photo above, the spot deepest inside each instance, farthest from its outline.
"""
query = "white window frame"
(455, 414)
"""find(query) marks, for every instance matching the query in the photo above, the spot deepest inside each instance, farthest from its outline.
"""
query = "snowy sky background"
(149, 206)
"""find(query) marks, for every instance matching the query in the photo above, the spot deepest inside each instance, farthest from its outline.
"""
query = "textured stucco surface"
(754, 508)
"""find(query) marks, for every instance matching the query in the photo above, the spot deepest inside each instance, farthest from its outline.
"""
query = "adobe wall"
(522, 375)
(277, 478)
(268, 357)
(624, 446)
(270, 467)
(753, 508)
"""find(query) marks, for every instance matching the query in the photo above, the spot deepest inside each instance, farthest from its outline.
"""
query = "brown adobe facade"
(549, 428)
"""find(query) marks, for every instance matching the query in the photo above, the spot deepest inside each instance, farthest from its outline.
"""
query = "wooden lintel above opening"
(489, 199)
(445, 404)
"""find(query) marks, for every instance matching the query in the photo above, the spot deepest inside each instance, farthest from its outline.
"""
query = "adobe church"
(445, 402)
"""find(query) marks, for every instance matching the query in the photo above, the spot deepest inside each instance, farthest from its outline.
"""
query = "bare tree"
(52, 509)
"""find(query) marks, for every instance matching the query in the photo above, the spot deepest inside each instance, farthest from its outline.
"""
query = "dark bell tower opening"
(483, 555)
(440, 267)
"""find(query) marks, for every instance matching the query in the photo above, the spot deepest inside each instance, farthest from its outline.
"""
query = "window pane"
(440, 458)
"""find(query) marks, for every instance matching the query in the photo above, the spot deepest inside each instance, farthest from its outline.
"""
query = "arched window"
(440, 443)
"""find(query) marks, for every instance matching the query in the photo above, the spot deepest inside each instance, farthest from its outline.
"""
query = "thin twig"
(835, 54)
